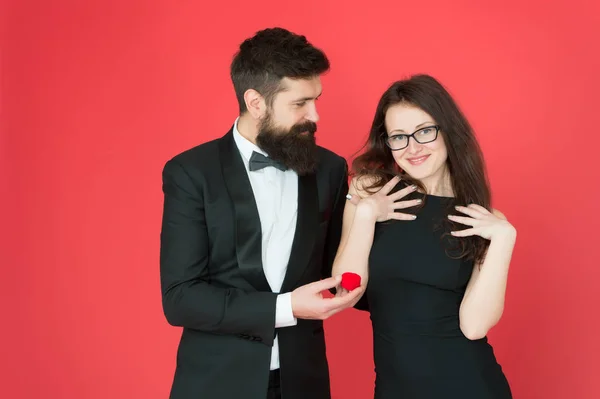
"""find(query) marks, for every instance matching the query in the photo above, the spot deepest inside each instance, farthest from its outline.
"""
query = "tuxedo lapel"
(306, 230)
(248, 232)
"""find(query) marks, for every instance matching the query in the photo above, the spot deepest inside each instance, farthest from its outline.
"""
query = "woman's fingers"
(402, 193)
(463, 220)
(465, 233)
(474, 213)
(401, 216)
(406, 204)
(390, 185)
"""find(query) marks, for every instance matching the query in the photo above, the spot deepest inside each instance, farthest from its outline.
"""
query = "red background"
(97, 95)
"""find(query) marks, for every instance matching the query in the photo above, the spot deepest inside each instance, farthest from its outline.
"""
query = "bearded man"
(251, 225)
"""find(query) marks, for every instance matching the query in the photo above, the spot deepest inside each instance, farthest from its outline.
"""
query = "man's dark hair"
(269, 56)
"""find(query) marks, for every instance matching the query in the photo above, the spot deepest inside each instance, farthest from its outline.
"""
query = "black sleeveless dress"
(414, 293)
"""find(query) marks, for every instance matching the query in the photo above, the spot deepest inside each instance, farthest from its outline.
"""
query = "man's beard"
(288, 146)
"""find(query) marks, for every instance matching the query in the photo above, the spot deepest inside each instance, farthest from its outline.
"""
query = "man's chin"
(296, 151)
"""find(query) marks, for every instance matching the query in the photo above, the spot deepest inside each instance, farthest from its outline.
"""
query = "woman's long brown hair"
(465, 159)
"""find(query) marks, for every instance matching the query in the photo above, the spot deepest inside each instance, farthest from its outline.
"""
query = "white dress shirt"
(276, 194)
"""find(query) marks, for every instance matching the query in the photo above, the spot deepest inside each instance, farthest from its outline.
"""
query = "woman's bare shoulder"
(361, 185)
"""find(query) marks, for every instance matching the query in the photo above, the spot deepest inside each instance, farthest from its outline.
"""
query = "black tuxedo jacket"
(212, 278)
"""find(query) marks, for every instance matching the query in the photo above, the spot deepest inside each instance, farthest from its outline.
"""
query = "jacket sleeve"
(188, 297)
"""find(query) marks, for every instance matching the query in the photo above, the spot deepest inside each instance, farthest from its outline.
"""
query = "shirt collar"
(245, 146)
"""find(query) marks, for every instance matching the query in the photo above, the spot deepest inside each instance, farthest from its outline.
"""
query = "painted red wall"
(97, 95)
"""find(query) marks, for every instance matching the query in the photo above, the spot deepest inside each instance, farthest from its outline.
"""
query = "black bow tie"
(259, 161)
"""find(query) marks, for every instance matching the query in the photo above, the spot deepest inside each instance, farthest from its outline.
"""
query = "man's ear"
(255, 103)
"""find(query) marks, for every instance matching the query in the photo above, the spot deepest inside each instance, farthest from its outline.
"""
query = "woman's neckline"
(436, 196)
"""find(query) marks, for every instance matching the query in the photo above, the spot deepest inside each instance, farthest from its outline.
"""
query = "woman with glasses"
(419, 228)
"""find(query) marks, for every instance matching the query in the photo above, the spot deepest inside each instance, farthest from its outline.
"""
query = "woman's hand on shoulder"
(484, 223)
(381, 205)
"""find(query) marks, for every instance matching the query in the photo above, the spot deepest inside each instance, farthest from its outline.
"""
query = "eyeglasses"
(421, 136)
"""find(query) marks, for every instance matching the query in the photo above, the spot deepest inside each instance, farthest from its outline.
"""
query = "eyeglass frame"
(408, 136)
